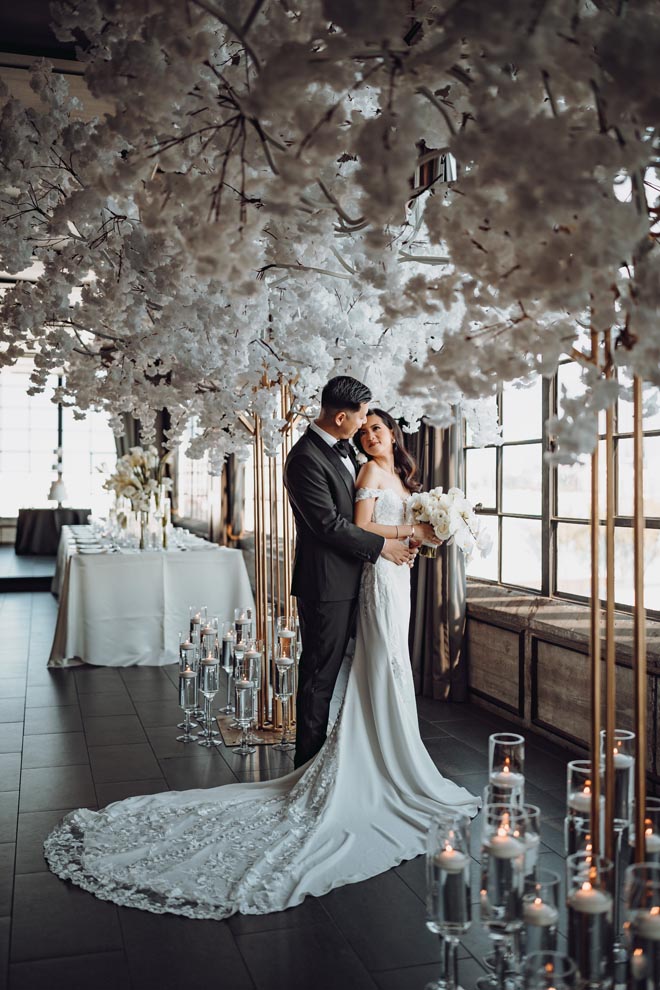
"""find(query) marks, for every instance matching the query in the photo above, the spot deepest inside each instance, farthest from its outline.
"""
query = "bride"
(361, 806)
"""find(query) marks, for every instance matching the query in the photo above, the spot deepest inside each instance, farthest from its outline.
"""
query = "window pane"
(521, 479)
(87, 444)
(574, 487)
(486, 567)
(625, 417)
(480, 476)
(521, 412)
(651, 476)
(521, 552)
(574, 563)
(574, 559)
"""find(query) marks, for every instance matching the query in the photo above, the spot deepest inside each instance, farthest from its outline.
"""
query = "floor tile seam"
(89, 758)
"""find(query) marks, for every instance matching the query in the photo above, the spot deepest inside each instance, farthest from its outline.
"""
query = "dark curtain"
(437, 631)
(228, 503)
(132, 433)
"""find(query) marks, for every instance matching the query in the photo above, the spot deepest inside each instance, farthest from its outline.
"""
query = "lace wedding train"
(362, 806)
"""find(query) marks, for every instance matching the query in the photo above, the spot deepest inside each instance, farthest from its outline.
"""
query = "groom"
(319, 476)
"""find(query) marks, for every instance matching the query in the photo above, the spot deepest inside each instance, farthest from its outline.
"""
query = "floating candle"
(537, 912)
(451, 860)
(588, 900)
(646, 924)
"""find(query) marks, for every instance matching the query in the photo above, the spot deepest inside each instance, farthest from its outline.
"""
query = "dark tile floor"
(89, 736)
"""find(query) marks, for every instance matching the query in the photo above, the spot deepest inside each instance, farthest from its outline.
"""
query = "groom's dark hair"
(342, 393)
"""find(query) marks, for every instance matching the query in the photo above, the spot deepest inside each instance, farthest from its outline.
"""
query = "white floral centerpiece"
(453, 518)
(139, 477)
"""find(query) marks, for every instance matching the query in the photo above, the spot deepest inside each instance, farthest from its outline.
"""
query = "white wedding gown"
(362, 806)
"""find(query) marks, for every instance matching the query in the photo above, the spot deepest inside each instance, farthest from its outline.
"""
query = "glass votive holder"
(549, 971)
(244, 695)
(506, 766)
(651, 831)
(286, 635)
(624, 773)
(187, 655)
(242, 623)
(590, 904)
(448, 907)
(579, 788)
(187, 701)
(641, 897)
(540, 912)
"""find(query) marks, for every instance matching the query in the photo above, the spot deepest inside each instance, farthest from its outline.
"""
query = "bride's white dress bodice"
(362, 806)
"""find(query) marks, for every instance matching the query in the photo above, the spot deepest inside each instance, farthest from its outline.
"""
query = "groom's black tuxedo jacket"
(330, 549)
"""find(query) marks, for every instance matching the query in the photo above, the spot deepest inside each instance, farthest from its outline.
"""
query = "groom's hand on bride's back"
(397, 552)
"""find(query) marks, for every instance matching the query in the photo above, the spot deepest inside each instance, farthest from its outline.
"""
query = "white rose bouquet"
(137, 476)
(452, 518)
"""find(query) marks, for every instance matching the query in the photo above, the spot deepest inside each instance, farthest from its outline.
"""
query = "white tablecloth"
(120, 610)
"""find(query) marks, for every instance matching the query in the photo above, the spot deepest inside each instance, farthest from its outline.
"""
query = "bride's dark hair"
(404, 463)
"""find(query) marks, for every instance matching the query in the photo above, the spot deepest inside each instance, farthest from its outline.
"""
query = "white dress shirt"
(331, 441)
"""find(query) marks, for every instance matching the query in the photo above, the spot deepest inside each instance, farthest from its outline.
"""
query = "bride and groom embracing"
(361, 797)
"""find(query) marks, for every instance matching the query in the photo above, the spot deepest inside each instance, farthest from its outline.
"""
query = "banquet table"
(38, 530)
(126, 608)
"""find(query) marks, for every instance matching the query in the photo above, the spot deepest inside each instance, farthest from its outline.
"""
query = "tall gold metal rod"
(257, 519)
(639, 653)
(264, 594)
(594, 639)
(610, 642)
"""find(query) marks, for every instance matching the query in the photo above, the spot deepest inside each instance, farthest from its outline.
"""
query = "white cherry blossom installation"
(251, 215)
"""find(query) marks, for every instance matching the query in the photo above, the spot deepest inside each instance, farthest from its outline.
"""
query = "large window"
(193, 482)
(539, 515)
(28, 438)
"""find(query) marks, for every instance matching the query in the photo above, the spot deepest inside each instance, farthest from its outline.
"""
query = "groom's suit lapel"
(335, 460)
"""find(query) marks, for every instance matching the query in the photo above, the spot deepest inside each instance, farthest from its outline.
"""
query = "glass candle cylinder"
(549, 971)
(242, 623)
(186, 655)
(448, 907)
(506, 767)
(502, 867)
(283, 677)
(641, 895)
(209, 679)
(253, 657)
(187, 689)
(624, 773)
(590, 919)
(244, 701)
(286, 634)
(540, 911)
(195, 620)
(209, 640)
(228, 640)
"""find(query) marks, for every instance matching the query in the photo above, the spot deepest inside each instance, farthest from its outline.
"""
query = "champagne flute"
(283, 692)
(448, 907)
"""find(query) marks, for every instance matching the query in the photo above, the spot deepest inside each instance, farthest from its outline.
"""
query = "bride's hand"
(397, 552)
(424, 533)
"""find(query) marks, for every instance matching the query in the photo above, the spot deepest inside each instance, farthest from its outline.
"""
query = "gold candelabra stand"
(273, 552)
(603, 676)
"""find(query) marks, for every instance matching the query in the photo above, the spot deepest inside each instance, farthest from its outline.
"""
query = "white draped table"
(126, 609)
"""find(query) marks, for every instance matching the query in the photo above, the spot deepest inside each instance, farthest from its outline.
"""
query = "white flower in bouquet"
(453, 518)
(137, 476)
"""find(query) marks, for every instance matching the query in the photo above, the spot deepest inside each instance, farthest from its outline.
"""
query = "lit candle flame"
(448, 848)
(537, 902)
(586, 886)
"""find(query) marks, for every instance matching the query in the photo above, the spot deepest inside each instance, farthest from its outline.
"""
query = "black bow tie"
(343, 448)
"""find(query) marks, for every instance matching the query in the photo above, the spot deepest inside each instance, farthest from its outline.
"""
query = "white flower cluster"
(250, 214)
(138, 476)
(453, 518)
